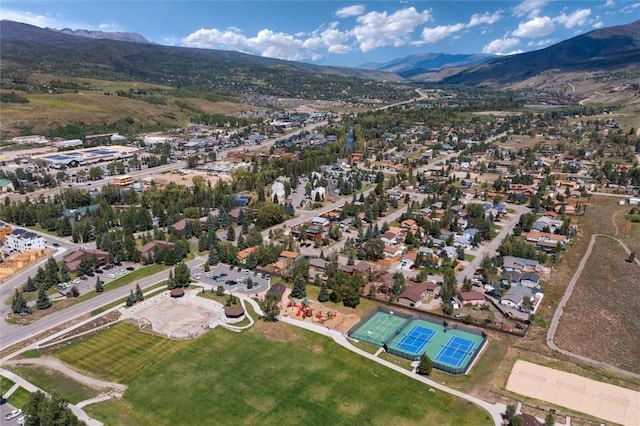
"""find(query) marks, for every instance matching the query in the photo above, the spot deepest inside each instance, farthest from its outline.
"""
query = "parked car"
(13, 414)
(459, 315)
(55, 245)
(111, 275)
(98, 271)
(224, 274)
(62, 286)
(130, 268)
(21, 421)
(267, 276)
(196, 276)
(230, 282)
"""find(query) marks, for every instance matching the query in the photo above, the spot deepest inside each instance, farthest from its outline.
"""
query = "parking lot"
(232, 279)
(106, 273)
(13, 419)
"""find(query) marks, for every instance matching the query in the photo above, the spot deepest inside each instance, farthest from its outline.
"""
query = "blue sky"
(335, 32)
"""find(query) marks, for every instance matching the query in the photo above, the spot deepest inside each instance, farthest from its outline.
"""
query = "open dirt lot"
(598, 399)
(602, 318)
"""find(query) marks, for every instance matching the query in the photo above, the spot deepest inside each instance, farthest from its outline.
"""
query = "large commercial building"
(20, 240)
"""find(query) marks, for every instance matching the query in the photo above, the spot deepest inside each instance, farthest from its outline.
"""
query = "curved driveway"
(558, 313)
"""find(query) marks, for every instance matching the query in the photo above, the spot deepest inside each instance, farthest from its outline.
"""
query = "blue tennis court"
(455, 351)
(415, 340)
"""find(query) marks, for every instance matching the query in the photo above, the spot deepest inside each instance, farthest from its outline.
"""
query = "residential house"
(362, 267)
(319, 265)
(450, 252)
(392, 251)
(321, 221)
(470, 234)
(147, 251)
(72, 261)
(408, 260)
(289, 256)
(512, 263)
(180, 226)
(243, 254)
(389, 238)
(473, 298)
(415, 294)
(516, 294)
(530, 279)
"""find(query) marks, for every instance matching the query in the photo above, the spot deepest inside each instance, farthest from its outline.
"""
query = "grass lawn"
(52, 381)
(271, 374)
(19, 398)
(5, 385)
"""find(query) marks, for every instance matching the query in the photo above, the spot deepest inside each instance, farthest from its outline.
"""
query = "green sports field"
(272, 374)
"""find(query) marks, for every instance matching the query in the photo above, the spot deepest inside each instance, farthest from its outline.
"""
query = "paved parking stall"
(226, 274)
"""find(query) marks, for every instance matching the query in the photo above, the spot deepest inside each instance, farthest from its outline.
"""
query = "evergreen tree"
(131, 299)
(19, 304)
(323, 296)
(214, 258)
(299, 287)
(231, 234)
(139, 295)
(425, 366)
(31, 285)
(99, 285)
(171, 282)
(43, 301)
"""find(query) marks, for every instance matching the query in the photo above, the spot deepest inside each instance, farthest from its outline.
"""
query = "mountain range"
(109, 35)
(129, 55)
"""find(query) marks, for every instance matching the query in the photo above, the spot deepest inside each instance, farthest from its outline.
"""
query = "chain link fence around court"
(383, 327)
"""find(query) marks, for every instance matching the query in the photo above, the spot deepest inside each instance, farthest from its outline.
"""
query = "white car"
(76, 281)
(111, 275)
(13, 414)
(21, 421)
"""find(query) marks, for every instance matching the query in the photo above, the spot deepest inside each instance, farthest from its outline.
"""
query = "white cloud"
(109, 27)
(629, 8)
(598, 24)
(378, 29)
(485, 18)
(349, 11)
(530, 8)
(536, 27)
(610, 3)
(266, 42)
(334, 40)
(577, 18)
(29, 18)
(433, 35)
(502, 46)
(541, 43)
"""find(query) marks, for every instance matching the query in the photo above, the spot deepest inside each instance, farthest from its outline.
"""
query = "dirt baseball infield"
(601, 400)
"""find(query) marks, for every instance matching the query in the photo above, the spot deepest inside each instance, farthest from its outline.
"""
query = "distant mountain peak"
(109, 35)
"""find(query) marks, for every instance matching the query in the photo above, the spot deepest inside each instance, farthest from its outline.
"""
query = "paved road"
(11, 334)
(491, 247)
(551, 333)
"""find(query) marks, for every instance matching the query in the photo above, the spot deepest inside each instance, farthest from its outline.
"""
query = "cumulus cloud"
(536, 27)
(485, 18)
(273, 44)
(346, 12)
(502, 46)
(530, 8)
(433, 35)
(379, 29)
(577, 18)
(109, 27)
(610, 3)
(30, 18)
(597, 24)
